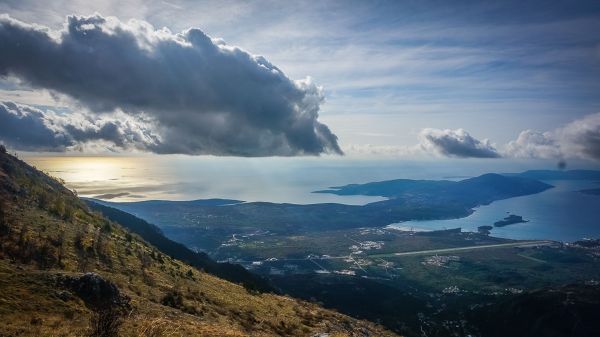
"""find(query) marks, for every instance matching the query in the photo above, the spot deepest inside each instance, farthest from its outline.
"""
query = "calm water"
(560, 213)
(173, 177)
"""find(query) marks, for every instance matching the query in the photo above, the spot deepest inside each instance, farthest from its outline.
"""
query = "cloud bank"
(578, 139)
(456, 143)
(27, 128)
(201, 95)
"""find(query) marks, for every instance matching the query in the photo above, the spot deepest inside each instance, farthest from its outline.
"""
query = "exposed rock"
(97, 292)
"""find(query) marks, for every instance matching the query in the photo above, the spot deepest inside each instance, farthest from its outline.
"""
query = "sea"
(561, 213)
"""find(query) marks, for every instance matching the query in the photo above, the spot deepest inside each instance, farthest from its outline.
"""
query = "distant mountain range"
(558, 175)
(481, 190)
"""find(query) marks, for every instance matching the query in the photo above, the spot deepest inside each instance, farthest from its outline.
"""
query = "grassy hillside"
(67, 271)
(153, 235)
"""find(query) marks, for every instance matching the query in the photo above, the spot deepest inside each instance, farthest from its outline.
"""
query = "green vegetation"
(440, 283)
(363, 272)
(153, 235)
(50, 243)
(204, 225)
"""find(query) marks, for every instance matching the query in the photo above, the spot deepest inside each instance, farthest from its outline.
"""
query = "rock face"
(97, 292)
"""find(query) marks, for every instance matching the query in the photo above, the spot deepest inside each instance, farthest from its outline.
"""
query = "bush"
(173, 299)
(35, 321)
(59, 207)
(4, 228)
(106, 228)
(2, 149)
(106, 322)
(69, 213)
(45, 256)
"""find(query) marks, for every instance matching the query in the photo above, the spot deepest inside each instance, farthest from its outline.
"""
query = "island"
(510, 220)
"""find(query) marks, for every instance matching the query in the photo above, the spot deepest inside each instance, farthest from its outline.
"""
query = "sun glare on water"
(117, 178)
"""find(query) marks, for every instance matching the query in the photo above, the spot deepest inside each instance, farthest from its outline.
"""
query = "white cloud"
(578, 139)
(533, 144)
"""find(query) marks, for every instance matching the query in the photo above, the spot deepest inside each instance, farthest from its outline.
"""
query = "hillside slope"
(67, 271)
(154, 236)
(570, 310)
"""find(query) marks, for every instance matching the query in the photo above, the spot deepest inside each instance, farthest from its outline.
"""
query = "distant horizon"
(181, 178)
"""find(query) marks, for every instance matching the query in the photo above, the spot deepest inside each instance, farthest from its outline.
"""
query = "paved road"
(458, 249)
(421, 252)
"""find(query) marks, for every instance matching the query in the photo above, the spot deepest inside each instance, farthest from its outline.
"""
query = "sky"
(399, 79)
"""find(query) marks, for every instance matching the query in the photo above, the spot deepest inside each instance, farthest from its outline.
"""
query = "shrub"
(106, 322)
(45, 256)
(106, 228)
(69, 213)
(35, 321)
(4, 227)
(173, 299)
(59, 207)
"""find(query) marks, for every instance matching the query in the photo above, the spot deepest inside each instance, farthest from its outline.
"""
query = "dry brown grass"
(43, 243)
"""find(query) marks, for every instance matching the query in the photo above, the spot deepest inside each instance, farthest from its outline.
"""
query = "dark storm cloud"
(24, 128)
(204, 97)
(30, 129)
(456, 143)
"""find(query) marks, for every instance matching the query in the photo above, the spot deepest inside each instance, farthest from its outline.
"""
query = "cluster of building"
(359, 247)
(440, 260)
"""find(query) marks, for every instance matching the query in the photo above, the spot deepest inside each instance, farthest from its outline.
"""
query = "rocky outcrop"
(97, 292)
